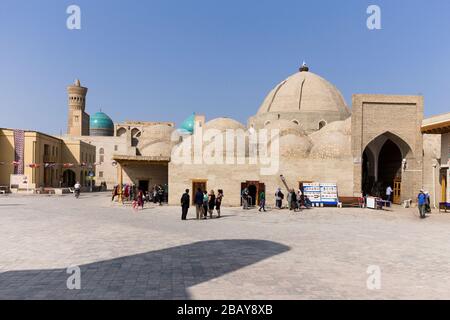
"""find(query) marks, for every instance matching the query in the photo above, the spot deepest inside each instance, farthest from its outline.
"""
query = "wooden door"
(444, 189)
(397, 191)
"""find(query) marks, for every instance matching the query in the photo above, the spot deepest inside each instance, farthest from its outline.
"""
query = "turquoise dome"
(188, 124)
(101, 125)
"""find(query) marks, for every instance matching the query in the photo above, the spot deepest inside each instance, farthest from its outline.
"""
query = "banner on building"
(19, 147)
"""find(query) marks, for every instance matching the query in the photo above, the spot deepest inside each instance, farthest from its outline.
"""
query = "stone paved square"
(152, 254)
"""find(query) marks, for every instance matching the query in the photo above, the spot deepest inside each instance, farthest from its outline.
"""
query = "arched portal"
(382, 162)
(389, 165)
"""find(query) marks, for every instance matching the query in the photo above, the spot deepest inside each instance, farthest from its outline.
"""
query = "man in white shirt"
(389, 193)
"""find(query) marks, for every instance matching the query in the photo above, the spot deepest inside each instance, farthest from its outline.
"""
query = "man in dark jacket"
(198, 200)
(185, 201)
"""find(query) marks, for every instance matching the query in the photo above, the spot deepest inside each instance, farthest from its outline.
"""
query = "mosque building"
(376, 143)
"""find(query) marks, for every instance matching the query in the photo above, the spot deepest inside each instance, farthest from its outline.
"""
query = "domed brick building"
(318, 139)
(303, 132)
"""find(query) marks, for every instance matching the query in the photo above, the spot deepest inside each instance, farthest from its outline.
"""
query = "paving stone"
(317, 254)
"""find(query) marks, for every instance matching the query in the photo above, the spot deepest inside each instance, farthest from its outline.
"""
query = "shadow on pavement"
(162, 274)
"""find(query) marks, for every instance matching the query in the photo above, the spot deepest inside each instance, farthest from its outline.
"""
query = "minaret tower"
(78, 122)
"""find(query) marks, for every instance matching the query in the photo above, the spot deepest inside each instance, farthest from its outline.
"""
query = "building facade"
(439, 126)
(376, 143)
(42, 160)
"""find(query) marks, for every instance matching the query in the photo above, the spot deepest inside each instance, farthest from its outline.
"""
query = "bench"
(356, 202)
(444, 206)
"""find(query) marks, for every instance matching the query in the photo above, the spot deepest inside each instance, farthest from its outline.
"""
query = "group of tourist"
(295, 200)
(131, 193)
(204, 203)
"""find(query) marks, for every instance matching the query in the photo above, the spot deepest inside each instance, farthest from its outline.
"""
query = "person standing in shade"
(279, 196)
(219, 201)
(422, 201)
(155, 194)
(205, 204)
(300, 199)
(185, 202)
(198, 200)
(289, 200)
(262, 201)
(160, 195)
(293, 200)
(389, 193)
(245, 199)
(211, 203)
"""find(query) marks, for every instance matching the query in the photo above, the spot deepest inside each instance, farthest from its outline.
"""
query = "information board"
(329, 193)
(321, 193)
(312, 191)
(19, 181)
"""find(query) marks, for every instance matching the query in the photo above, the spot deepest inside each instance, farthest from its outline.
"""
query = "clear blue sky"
(162, 60)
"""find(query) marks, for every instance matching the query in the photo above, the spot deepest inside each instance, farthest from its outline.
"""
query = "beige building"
(42, 160)
(439, 127)
(376, 143)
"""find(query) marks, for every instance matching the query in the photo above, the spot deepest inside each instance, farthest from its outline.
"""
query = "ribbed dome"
(101, 125)
(304, 92)
(305, 98)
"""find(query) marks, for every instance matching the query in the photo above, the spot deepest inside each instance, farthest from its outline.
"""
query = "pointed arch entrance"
(382, 166)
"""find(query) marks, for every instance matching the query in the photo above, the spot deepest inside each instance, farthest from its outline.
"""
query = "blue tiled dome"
(101, 125)
(188, 124)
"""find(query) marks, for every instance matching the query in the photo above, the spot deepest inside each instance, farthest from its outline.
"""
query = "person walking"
(205, 204)
(185, 202)
(289, 200)
(198, 200)
(140, 200)
(219, 201)
(422, 201)
(211, 203)
(428, 202)
(389, 193)
(115, 192)
(262, 201)
(126, 193)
